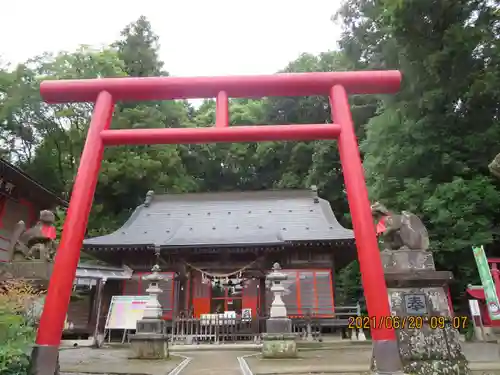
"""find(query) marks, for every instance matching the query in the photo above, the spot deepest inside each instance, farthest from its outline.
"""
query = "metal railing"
(222, 329)
(216, 329)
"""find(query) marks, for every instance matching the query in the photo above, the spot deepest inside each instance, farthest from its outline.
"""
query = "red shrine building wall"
(309, 291)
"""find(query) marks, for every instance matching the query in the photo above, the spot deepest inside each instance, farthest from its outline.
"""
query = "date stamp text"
(408, 322)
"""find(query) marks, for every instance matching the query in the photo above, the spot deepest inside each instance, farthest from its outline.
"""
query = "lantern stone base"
(150, 325)
(149, 346)
(277, 345)
(279, 325)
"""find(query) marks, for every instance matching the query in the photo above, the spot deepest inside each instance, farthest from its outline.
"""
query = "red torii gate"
(105, 92)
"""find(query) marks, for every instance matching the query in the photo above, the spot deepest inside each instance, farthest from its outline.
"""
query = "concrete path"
(213, 363)
(111, 361)
(345, 359)
(314, 362)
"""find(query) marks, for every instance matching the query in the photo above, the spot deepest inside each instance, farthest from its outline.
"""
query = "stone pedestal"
(427, 338)
(278, 325)
(148, 342)
(276, 345)
(278, 341)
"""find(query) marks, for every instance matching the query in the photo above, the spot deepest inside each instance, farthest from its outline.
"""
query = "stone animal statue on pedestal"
(404, 231)
(35, 243)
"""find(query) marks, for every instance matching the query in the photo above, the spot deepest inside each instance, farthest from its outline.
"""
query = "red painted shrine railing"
(105, 92)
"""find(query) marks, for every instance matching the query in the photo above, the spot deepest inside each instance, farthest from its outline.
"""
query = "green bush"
(17, 332)
(16, 338)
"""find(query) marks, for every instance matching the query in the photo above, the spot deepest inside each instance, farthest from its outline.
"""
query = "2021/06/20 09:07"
(410, 322)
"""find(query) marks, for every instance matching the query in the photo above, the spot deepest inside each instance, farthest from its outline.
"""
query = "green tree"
(138, 49)
(428, 148)
(128, 172)
(59, 131)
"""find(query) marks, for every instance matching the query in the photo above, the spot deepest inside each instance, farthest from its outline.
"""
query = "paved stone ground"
(111, 361)
(481, 351)
(314, 361)
(213, 363)
(484, 359)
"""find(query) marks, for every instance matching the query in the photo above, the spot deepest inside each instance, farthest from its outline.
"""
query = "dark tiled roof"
(93, 271)
(234, 218)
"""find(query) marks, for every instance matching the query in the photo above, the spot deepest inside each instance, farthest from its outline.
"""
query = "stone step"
(215, 347)
(301, 345)
(340, 344)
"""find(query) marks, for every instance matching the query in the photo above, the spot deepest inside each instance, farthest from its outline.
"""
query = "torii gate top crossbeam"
(169, 88)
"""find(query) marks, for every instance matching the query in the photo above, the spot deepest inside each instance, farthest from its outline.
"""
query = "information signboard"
(125, 311)
(474, 307)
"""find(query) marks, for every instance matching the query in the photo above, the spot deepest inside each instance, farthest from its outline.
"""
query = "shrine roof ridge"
(224, 218)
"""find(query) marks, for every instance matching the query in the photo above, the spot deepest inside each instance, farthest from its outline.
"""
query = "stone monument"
(278, 341)
(149, 340)
(427, 335)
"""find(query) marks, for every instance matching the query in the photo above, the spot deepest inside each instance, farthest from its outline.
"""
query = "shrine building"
(215, 250)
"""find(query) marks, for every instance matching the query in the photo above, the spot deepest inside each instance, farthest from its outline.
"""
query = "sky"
(197, 37)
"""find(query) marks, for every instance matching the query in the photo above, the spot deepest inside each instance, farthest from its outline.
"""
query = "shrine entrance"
(225, 299)
(105, 92)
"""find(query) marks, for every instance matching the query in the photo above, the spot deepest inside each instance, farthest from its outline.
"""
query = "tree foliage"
(428, 148)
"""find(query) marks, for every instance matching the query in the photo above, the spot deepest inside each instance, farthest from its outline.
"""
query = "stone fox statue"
(403, 231)
(37, 242)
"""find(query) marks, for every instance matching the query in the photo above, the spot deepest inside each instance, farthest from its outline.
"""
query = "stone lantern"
(277, 314)
(279, 342)
(149, 341)
(153, 308)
